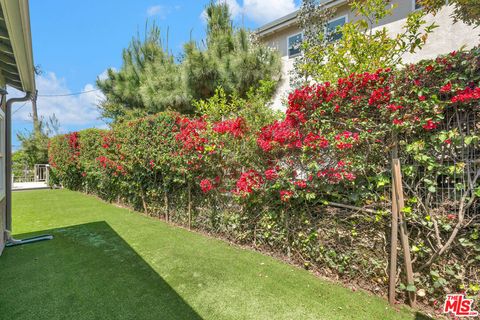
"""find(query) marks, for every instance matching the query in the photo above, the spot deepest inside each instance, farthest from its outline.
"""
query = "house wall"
(446, 38)
(3, 210)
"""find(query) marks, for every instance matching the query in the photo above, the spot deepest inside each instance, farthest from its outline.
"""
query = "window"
(332, 32)
(294, 43)
(2, 155)
(416, 5)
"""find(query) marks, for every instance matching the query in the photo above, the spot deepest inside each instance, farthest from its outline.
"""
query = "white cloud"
(235, 8)
(71, 111)
(162, 11)
(259, 11)
(155, 10)
(263, 11)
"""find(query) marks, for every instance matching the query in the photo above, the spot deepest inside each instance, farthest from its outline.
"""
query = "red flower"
(248, 182)
(235, 127)
(430, 125)
(280, 133)
(152, 164)
(349, 176)
(190, 133)
(315, 141)
(397, 122)
(451, 217)
(271, 174)
(467, 95)
(446, 88)
(206, 185)
(394, 108)
(422, 98)
(378, 96)
(429, 68)
(301, 184)
(285, 195)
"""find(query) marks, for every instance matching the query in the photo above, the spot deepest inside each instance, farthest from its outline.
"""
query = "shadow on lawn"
(87, 272)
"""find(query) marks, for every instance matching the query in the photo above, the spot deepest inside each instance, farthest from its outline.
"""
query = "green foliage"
(151, 81)
(147, 82)
(361, 48)
(230, 60)
(242, 173)
(34, 144)
(255, 108)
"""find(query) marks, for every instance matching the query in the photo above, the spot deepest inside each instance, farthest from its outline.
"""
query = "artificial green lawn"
(111, 263)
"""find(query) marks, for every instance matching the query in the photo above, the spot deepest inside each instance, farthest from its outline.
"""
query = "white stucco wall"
(446, 38)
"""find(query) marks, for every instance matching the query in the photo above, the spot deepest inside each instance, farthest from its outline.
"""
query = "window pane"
(417, 5)
(294, 43)
(332, 29)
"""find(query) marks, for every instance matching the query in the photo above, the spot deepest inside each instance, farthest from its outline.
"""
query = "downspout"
(8, 174)
(8, 156)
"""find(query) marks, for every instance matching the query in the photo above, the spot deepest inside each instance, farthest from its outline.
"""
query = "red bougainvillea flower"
(248, 182)
(315, 141)
(466, 95)
(429, 68)
(236, 127)
(346, 139)
(206, 185)
(190, 133)
(422, 98)
(285, 195)
(380, 95)
(446, 88)
(430, 125)
(271, 174)
(280, 133)
(393, 107)
(349, 176)
(301, 184)
(397, 122)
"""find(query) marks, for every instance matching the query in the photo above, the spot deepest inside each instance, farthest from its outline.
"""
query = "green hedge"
(256, 181)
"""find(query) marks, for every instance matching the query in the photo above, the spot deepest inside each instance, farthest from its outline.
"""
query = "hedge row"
(266, 183)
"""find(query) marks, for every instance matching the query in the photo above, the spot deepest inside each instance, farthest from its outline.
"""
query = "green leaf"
(477, 192)
(411, 288)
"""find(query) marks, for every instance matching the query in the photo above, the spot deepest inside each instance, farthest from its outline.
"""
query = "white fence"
(40, 173)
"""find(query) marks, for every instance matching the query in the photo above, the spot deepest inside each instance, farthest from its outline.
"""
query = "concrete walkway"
(18, 186)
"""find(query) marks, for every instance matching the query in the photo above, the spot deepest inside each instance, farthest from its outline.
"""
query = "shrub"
(253, 179)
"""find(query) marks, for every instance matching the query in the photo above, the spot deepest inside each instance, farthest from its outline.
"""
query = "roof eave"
(290, 19)
(17, 21)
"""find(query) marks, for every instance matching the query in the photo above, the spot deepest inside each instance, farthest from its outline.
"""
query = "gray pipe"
(8, 158)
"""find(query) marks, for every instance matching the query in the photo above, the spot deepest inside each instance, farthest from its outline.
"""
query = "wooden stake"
(393, 249)
(189, 207)
(397, 182)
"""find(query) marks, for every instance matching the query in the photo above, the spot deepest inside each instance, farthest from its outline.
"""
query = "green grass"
(111, 263)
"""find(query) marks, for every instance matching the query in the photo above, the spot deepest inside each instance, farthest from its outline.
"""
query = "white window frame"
(2, 155)
(338, 18)
(288, 45)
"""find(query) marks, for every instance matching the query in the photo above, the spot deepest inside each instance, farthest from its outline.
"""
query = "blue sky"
(76, 41)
